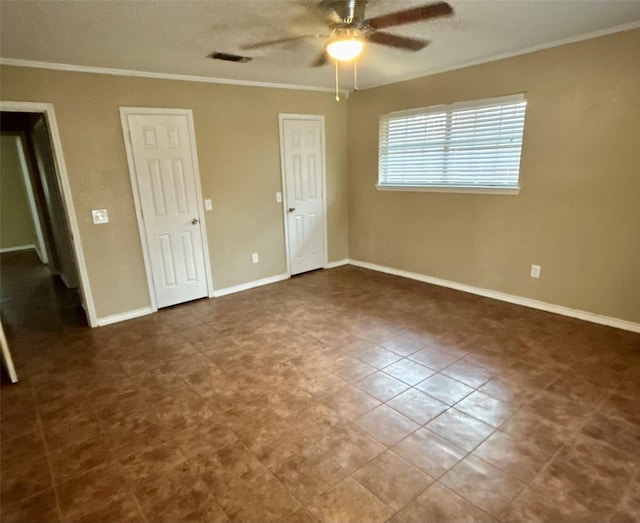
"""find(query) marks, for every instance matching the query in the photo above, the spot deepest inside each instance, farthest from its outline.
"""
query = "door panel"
(303, 168)
(165, 174)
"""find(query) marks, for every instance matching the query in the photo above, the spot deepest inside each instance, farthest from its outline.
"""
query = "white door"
(165, 173)
(303, 166)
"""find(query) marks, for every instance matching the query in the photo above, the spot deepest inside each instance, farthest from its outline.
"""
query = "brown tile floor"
(336, 396)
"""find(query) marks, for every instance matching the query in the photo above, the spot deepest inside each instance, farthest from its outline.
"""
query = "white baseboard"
(129, 315)
(17, 248)
(496, 295)
(108, 320)
(338, 263)
(250, 285)
(41, 255)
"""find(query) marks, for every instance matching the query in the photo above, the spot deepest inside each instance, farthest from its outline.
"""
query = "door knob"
(291, 209)
(195, 221)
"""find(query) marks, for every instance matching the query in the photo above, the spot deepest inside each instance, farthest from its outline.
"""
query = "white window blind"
(468, 144)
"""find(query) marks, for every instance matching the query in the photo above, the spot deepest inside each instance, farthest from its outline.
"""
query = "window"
(466, 146)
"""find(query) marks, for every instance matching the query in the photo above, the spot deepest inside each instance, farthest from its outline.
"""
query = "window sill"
(450, 189)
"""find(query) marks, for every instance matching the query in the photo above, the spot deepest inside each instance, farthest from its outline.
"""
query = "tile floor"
(336, 396)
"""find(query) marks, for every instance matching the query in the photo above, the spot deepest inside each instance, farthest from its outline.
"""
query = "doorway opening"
(41, 280)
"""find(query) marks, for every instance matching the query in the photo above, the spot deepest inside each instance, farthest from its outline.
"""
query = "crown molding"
(18, 62)
(494, 58)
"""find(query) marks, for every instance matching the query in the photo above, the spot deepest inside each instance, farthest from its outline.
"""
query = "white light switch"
(100, 216)
(208, 205)
(279, 197)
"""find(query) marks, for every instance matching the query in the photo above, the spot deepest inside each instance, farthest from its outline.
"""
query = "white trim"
(124, 114)
(315, 117)
(6, 356)
(502, 56)
(481, 103)
(40, 247)
(502, 296)
(65, 192)
(251, 285)
(124, 316)
(337, 263)
(18, 62)
(444, 188)
(17, 248)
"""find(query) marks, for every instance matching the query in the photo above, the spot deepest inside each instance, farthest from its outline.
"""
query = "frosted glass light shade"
(345, 49)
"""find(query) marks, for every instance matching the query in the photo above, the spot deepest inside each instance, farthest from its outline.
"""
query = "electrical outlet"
(255, 258)
(535, 271)
(100, 216)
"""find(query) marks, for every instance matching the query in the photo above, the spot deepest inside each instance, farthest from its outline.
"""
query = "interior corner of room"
(576, 215)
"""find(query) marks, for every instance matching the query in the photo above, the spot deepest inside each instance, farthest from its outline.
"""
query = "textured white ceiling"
(175, 37)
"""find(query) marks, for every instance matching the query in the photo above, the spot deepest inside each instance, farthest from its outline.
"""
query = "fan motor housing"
(351, 11)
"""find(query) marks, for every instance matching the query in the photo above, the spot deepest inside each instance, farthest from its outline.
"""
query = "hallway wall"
(16, 223)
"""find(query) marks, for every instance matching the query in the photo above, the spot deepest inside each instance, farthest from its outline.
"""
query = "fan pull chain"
(337, 91)
(355, 74)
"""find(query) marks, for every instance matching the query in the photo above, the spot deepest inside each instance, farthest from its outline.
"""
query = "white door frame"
(320, 118)
(124, 113)
(65, 191)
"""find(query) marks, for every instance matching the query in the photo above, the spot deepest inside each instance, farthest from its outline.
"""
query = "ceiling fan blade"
(266, 43)
(402, 42)
(416, 14)
(320, 61)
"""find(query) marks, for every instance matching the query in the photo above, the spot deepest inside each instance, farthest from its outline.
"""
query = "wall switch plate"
(535, 271)
(100, 216)
(279, 197)
(208, 206)
(255, 258)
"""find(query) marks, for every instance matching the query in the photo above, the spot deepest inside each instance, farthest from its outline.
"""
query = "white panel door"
(163, 160)
(304, 179)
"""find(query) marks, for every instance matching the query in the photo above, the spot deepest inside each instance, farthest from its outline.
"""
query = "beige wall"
(16, 223)
(578, 213)
(239, 158)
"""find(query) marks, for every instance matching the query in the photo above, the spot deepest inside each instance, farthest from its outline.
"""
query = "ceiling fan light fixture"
(345, 48)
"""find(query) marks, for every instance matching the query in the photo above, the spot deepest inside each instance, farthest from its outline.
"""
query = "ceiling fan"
(350, 29)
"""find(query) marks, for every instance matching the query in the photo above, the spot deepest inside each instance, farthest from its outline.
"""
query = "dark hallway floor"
(32, 298)
(34, 302)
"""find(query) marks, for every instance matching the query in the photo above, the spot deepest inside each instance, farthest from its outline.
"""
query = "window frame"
(449, 109)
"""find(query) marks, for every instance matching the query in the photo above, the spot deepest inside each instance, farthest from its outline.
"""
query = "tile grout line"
(48, 457)
(533, 479)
